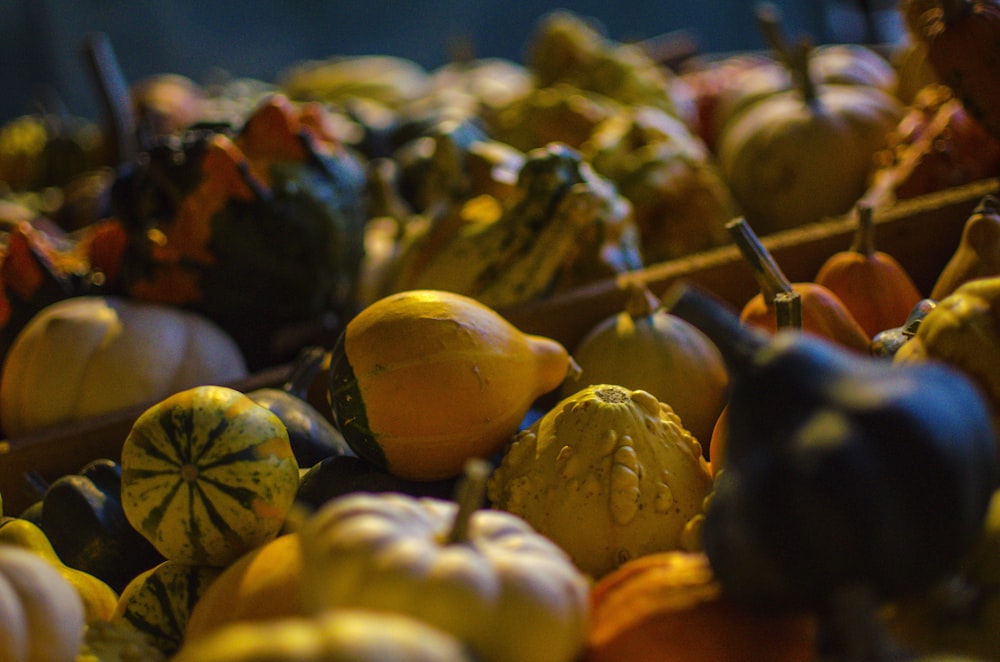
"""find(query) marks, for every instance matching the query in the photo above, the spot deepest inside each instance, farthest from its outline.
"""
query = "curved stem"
(864, 234)
(639, 301)
(769, 275)
(469, 494)
(307, 365)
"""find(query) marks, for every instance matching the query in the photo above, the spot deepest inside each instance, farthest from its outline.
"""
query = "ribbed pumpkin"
(207, 475)
(872, 284)
(422, 380)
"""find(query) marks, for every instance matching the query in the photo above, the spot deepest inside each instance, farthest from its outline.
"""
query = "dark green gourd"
(843, 472)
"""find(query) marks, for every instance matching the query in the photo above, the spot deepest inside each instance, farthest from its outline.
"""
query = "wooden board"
(921, 233)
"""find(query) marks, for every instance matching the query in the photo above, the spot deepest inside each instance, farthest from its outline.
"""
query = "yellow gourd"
(207, 475)
(41, 615)
(99, 599)
(263, 584)
(644, 347)
(482, 575)
(85, 356)
(158, 602)
(422, 380)
(611, 462)
(342, 635)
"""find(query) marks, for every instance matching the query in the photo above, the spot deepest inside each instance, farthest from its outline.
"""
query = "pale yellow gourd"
(609, 474)
(41, 615)
(341, 635)
(644, 347)
(484, 576)
(85, 356)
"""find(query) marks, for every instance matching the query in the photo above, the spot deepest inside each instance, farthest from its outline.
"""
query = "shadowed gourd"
(845, 475)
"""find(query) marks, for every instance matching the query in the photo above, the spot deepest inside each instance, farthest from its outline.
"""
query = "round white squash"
(86, 356)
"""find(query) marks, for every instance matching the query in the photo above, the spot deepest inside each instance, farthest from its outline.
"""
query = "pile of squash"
(812, 475)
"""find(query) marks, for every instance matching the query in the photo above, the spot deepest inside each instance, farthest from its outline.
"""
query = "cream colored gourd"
(645, 348)
(41, 615)
(483, 576)
(609, 474)
(341, 635)
(806, 154)
(85, 356)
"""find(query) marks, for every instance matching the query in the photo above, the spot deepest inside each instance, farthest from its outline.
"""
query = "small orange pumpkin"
(668, 606)
(874, 286)
(823, 313)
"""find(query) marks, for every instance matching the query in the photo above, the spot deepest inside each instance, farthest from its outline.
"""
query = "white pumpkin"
(41, 614)
(85, 356)
(484, 576)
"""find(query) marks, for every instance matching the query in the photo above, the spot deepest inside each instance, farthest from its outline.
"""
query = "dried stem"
(864, 234)
(788, 310)
(769, 275)
(469, 494)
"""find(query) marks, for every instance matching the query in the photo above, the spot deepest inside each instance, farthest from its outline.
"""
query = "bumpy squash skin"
(207, 475)
(610, 461)
(422, 380)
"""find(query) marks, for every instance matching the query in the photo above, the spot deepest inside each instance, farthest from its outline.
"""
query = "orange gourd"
(262, 584)
(423, 380)
(874, 286)
(668, 606)
(961, 38)
(823, 313)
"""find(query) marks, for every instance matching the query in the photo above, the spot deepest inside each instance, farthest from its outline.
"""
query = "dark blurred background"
(40, 40)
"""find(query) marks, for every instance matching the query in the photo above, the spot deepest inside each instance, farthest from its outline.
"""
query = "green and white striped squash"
(207, 475)
(158, 602)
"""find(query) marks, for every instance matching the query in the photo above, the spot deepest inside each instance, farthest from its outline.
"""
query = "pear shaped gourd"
(978, 252)
(423, 380)
(842, 471)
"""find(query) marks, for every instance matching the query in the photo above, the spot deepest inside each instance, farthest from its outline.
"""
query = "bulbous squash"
(89, 355)
(978, 251)
(41, 615)
(645, 348)
(779, 155)
(422, 380)
(342, 635)
(207, 475)
(610, 461)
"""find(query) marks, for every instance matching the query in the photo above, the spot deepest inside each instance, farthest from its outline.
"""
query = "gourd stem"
(640, 302)
(737, 342)
(769, 275)
(794, 57)
(307, 365)
(469, 495)
(788, 310)
(114, 95)
(864, 234)
(769, 24)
